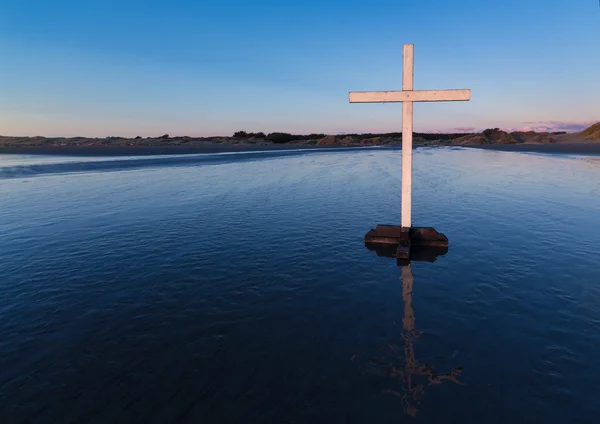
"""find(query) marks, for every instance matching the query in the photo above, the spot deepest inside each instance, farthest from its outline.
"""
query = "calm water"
(236, 288)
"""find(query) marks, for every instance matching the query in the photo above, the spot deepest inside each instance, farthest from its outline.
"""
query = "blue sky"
(132, 67)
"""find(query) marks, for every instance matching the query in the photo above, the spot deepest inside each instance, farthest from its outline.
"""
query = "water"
(236, 288)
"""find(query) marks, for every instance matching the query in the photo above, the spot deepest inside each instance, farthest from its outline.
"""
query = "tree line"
(280, 137)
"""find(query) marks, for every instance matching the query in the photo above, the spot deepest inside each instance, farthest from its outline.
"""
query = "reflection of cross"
(412, 368)
(407, 96)
(415, 377)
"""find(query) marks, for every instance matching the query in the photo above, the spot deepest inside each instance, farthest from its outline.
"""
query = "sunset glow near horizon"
(129, 68)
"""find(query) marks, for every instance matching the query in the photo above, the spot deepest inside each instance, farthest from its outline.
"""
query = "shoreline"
(584, 142)
(559, 148)
(562, 148)
(146, 150)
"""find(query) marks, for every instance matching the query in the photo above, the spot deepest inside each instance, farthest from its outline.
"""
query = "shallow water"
(236, 288)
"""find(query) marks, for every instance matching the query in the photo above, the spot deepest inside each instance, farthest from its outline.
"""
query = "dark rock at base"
(427, 236)
(415, 236)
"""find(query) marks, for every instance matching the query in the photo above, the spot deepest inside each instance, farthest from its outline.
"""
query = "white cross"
(407, 96)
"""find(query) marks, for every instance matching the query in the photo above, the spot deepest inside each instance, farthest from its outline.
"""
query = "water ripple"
(242, 292)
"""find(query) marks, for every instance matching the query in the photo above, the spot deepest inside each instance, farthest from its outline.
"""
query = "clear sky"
(198, 67)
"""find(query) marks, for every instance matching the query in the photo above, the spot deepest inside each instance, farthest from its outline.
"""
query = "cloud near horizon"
(537, 126)
(553, 126)
(462, 130)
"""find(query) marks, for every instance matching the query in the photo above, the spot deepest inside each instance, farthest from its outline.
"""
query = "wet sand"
(565, 148)
(146, 150)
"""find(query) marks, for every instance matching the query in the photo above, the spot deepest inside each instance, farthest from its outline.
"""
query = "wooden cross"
(407, 96)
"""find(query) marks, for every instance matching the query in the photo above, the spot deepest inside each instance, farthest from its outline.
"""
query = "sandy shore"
(568, 148)
(147, 150)
(565, 148)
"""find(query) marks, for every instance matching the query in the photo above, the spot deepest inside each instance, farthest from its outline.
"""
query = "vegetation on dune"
(591, 133)
(277, 137)
(244, 134)
(490, 136)
(424, 136)
(281, 137)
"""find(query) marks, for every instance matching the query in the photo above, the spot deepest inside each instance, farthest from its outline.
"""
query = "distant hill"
(492, 136)
(489, 136)
(591, 133)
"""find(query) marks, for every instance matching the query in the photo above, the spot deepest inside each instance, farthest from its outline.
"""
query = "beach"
(584, 142)
(145, 150)
(566, 148)
(562, 148)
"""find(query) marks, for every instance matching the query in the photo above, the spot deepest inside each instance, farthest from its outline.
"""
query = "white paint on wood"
(407, 96)
(408, 69)
(410, 96)
(407, 133)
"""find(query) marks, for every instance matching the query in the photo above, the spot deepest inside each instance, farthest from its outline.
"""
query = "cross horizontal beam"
(410, 96)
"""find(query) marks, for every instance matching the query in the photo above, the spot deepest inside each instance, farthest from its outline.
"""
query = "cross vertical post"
(407, 135)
